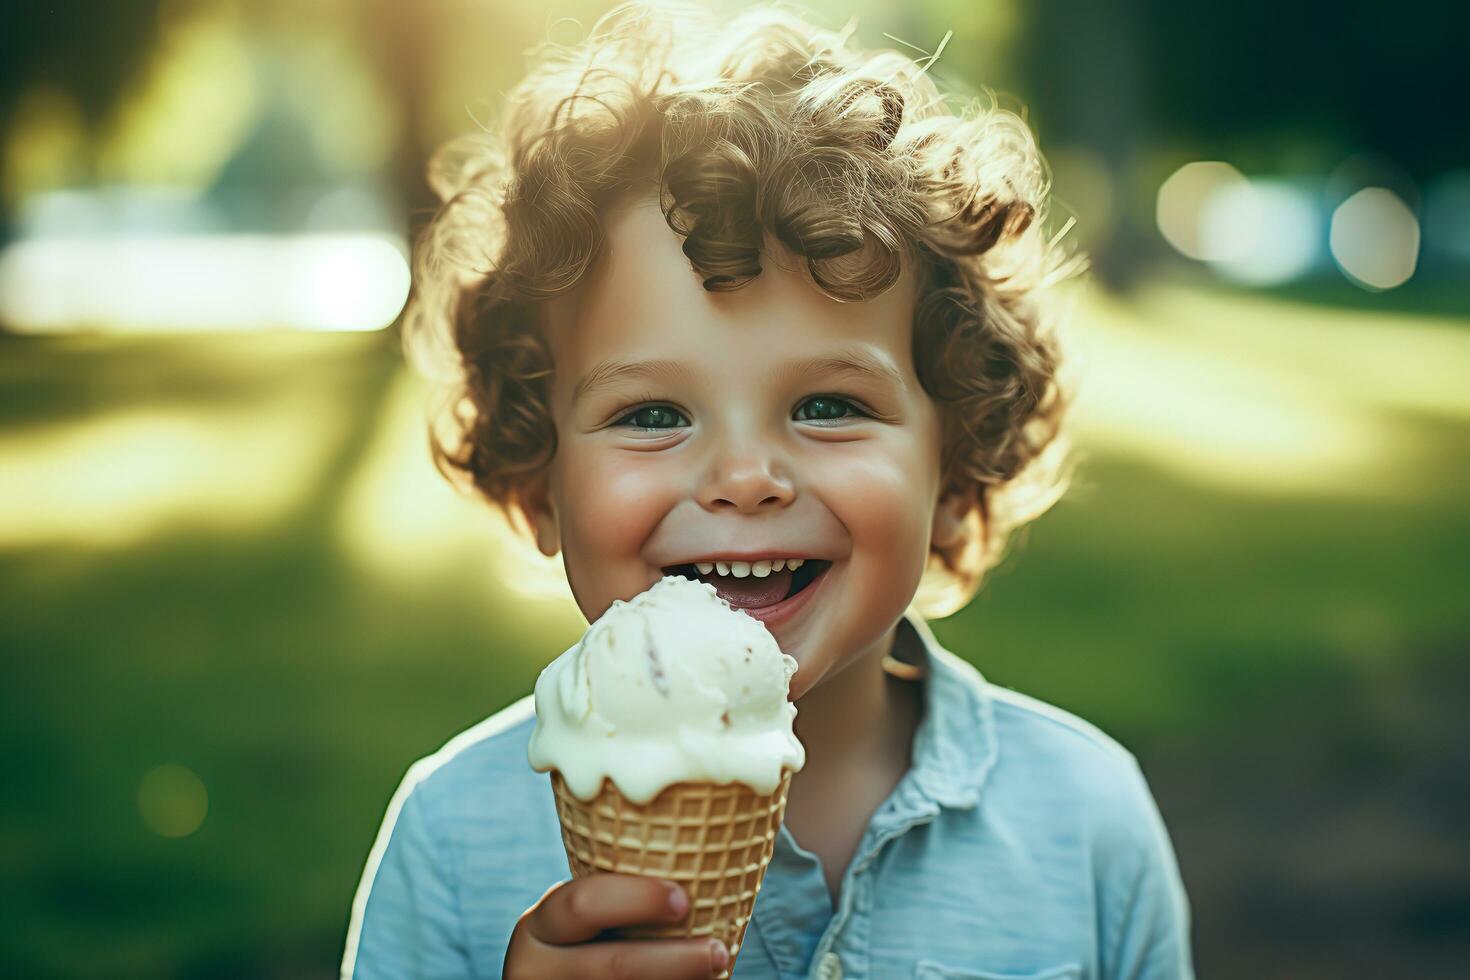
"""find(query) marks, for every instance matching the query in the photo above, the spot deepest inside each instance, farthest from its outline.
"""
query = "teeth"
(744, 569)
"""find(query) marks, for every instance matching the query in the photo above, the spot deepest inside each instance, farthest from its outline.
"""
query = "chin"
(809, 674)
(799, 686)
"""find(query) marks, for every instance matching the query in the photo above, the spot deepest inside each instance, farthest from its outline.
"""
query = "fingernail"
(719, 957)
(678, 901)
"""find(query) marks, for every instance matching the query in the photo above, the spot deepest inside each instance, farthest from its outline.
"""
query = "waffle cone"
(715, 841)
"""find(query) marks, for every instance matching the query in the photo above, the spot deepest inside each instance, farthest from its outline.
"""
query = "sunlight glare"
(194, 282)
(402, 519)
(1234, 421)
(119, 479)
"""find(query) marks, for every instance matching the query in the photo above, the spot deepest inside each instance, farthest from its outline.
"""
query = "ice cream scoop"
(671, 686)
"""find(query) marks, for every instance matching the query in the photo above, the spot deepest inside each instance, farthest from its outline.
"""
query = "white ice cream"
(670, 686)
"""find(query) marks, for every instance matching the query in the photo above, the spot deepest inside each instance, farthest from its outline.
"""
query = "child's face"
(737, 443)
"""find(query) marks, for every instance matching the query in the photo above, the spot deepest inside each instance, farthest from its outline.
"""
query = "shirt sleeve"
(1145, 915)
(405, 919)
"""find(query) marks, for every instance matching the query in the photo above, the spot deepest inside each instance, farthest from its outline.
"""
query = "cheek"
(883, 498)
(885, 511)
(612, 501)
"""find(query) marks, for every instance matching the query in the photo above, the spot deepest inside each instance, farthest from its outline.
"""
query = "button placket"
(829, 967)
(948, 767)
(790, 928)
(856, 892)
(858, 958)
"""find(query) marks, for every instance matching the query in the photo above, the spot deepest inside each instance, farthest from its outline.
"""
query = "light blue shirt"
(1022, 843)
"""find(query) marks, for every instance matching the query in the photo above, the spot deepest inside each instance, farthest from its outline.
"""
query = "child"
(729, 294)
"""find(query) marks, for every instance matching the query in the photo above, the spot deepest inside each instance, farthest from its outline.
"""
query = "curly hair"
(761, 124)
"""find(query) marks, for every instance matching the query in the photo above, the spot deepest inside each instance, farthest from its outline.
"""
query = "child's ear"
(950, 512)
(533, 497)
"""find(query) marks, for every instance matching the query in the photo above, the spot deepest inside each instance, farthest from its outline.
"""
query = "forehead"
(641, 298)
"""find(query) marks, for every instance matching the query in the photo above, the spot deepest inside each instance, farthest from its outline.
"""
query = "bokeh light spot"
(1181, 204)
(172, 801)
(1375, 238)
(1260, 232)
(1447, 217)
(350, 283)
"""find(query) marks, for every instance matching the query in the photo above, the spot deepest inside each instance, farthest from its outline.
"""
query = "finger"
(646, 959)
(578, 910)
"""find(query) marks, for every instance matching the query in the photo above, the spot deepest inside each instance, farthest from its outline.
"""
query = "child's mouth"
(752, 592)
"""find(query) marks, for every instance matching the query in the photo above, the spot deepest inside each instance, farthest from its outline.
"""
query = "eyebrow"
(856, 363)
(613, 371)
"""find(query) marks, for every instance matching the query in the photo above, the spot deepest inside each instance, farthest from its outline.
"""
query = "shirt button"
(830, 967)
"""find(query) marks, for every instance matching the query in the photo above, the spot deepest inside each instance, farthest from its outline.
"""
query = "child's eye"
(820, 408)
(654, 417)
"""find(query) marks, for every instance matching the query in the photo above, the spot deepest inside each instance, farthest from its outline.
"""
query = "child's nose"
(747, 483)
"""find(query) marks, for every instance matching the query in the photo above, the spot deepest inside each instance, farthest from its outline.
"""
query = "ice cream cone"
(714, 840)
(668, 733)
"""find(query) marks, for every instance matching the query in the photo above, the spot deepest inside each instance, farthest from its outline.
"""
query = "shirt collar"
(955, 745)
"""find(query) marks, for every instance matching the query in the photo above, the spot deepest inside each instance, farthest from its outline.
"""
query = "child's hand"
(554, 938)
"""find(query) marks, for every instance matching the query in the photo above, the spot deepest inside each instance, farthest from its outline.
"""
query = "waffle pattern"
(713, 840)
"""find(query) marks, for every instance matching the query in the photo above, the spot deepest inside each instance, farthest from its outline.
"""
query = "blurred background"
(236, 601)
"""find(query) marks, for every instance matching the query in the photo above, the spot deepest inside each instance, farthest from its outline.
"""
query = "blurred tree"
(1357, 75)
(401, 39)
(1095, 94)
(86, 48)
(1261, 82)
(1267, 85)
